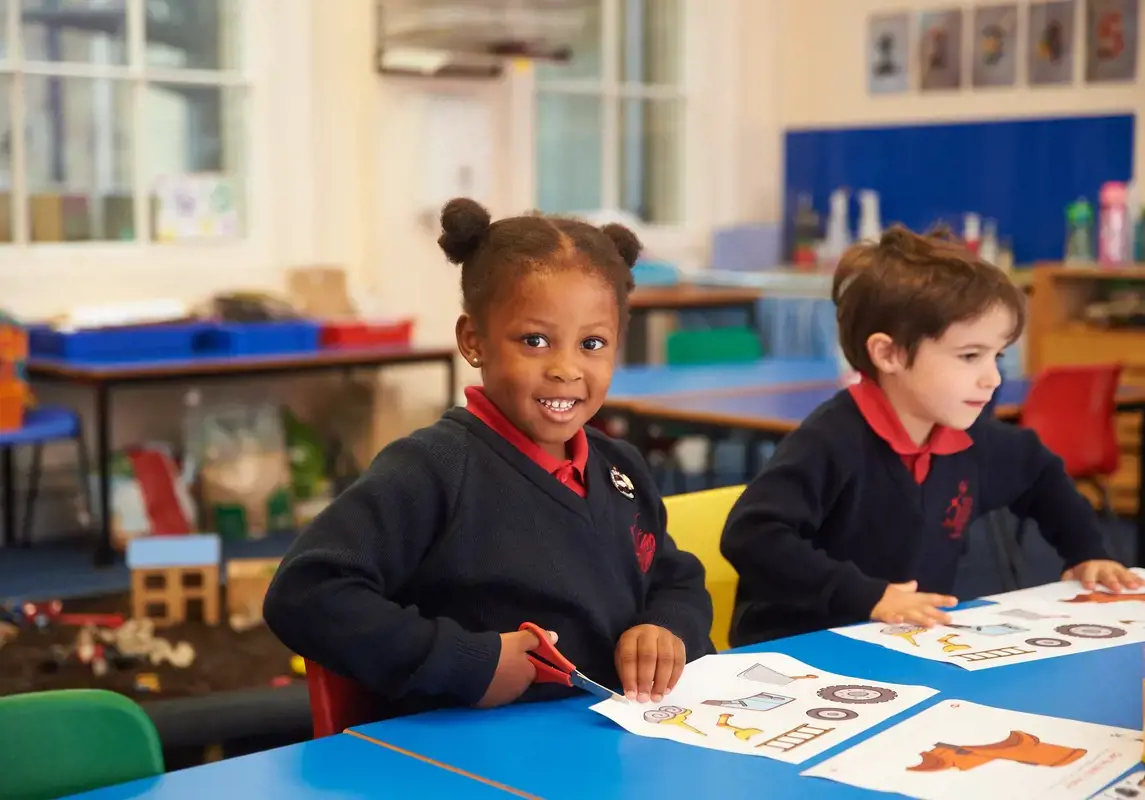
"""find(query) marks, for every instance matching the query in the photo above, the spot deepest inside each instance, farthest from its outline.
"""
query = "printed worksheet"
(1130, 787)
(1003, 634)
(957, 749)
(764, 704)
(1070, 597)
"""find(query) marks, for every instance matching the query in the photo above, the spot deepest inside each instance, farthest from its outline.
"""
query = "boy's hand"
(902, 602)
(515, 672)
(1109, 574)
(649, 660)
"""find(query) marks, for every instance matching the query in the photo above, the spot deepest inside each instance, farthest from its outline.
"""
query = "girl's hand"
(649, 660)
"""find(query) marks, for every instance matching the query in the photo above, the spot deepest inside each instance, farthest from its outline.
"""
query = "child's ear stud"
(475, 361)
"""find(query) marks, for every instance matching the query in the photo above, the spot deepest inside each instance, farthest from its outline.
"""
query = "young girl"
(415, 580)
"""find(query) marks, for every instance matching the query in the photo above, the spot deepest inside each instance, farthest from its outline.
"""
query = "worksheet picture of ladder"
(795, 737)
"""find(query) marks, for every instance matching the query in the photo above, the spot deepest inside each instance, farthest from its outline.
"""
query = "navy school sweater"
(453, 536)
(835, 516)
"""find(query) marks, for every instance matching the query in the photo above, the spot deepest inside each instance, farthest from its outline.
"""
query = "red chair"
(1072, 409)
(337, 703)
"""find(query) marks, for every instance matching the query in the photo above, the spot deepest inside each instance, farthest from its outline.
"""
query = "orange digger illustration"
(1019, 746)
(1107, 597)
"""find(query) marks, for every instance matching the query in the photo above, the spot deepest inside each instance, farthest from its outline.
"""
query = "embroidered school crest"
(644, 543)
(622, 483)
(958, 512)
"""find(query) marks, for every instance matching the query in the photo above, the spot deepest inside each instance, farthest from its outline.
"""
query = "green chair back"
(715, 346)
(63, 742)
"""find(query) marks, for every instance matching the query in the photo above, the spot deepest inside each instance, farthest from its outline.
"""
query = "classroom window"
(132, 114)
(609, 124)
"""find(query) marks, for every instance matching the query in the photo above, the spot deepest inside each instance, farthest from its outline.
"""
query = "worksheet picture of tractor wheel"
(956, 749)
(765, 704)
(1002, 634)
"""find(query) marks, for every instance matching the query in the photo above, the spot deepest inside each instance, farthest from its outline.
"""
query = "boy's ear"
(887, 356)
(468, 342)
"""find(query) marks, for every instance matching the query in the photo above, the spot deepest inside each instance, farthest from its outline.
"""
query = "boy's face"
(952, 378)
(547, 353)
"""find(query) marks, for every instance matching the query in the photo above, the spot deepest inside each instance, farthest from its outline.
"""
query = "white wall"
(820, 91)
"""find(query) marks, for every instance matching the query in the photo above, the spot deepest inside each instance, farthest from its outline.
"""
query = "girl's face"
(547, 353)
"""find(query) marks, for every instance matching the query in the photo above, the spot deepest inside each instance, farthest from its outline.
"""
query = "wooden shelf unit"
(1057, 334)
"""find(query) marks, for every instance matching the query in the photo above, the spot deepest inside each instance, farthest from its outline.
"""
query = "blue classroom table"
(342, 766)
(564, 750)
(634, 384)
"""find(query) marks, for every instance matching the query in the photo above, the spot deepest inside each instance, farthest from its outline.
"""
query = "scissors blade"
(592, 687)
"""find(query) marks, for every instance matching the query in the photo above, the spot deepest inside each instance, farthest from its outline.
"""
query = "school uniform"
(849, 503)
(464, 530)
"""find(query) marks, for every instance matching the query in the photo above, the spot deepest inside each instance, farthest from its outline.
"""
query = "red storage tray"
(341, 335)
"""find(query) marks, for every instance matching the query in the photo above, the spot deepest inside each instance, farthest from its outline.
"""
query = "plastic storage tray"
(343, 335)
(128, 344)
(257, 338)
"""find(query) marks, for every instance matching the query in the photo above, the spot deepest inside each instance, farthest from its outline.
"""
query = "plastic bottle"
(870, 224)
(1079, 232)
(988, 250)
(1114, 221)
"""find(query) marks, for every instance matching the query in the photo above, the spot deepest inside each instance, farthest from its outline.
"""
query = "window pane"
(586, 60)
(79, 159)
(569, 152)
(5, 160)
(650, 154)
(76, 31)
(194, 34)
(195, 157)
(4, 30)
(651, 45)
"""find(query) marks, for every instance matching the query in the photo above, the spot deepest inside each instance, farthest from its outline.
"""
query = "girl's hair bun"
(464, 223)
(626, 242)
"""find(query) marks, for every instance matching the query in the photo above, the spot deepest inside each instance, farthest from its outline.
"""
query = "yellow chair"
(696, 521)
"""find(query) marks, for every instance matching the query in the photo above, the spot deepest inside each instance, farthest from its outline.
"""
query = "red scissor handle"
(559, 669)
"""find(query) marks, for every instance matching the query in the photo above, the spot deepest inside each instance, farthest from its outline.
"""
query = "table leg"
(1139, 556)
(9, 497)
(451, 382)
(104, 554)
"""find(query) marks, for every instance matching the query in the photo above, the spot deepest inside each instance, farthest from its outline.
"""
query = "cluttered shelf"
(1091, 315)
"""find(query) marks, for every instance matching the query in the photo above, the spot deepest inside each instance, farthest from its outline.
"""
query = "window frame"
(57, 259)
(706, 89)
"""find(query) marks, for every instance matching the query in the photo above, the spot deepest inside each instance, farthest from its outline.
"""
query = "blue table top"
(341, 766)
(564, 750)
(637, 382)
(784, 408)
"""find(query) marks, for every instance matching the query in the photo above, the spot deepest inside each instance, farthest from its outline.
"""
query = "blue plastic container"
(257, 338)
(107, 345)
(655, 273)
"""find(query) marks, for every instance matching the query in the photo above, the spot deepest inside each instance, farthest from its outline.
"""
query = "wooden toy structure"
(247, 582)
(175, 578)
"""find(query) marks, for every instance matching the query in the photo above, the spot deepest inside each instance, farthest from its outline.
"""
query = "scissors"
(559, 669)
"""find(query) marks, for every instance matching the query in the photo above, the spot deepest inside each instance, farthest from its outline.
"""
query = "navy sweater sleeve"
(677, 597)
(331, 600)
(1020, 473)
(770, 532)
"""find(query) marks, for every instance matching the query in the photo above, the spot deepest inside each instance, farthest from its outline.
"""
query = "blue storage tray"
(258, 338)
(105, 345)
(655, 273)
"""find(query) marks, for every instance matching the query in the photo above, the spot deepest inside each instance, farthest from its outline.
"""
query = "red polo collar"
(878, 412)
(568, 471)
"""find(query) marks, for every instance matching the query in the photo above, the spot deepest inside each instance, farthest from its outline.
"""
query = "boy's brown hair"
(913, 287)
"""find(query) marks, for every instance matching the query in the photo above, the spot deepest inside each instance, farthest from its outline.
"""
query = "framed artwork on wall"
(888, 51)
(940, 50)
(1111, 40)
(1051, 42)
(995, 45)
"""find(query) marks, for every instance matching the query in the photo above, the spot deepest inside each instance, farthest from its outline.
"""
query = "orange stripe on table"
(444, 766)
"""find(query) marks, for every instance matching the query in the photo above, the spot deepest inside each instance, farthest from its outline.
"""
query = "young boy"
(861, 512)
